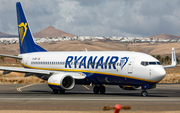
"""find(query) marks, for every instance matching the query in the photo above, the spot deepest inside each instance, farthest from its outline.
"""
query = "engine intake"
(61, 81)
(67, 82)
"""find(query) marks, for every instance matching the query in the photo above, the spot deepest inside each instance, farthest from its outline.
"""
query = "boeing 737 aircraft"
(63, 70)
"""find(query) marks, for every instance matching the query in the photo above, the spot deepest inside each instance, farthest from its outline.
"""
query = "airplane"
(62, 70)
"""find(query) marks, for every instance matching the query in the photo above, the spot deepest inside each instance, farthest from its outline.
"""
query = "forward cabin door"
(130, 65)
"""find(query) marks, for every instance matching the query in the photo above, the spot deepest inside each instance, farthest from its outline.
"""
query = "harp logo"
(22, 31)
(123, 62)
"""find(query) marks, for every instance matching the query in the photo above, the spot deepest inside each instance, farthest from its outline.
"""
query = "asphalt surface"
(166, 97)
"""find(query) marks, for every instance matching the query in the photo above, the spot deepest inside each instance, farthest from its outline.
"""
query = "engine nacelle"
(61, 81)
(126, 87)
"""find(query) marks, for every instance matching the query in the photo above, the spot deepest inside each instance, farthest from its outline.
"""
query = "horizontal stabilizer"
(11, 56)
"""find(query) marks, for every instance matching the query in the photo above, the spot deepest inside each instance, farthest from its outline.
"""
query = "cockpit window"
(158, 63)
(144, 63)
(152, 63)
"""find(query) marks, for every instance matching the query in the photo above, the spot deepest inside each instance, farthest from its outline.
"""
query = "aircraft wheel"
(102, 89)
(55, 91)
(96, 89)
(144, 93)
(61, 91)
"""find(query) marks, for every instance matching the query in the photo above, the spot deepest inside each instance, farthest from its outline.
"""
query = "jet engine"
(126, 87)
(61, 81)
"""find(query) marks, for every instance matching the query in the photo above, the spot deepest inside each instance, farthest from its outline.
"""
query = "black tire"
(102, 89)
(96, 89)
(61, 91)
(55, 91)
(144, 93)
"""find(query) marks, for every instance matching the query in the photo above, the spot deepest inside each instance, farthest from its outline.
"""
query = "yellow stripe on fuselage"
(104, 73)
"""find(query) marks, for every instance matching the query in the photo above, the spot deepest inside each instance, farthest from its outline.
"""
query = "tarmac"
(28, 97)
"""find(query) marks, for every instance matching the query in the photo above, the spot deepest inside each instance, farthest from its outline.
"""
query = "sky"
(127, 18)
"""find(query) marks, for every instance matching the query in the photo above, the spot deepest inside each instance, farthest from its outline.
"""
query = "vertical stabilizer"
(26, 41)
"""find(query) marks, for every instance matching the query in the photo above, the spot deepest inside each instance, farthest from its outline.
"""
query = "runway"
(40, 96)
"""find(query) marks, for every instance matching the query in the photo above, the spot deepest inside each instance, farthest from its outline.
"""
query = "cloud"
(96, 17)
(91, 3)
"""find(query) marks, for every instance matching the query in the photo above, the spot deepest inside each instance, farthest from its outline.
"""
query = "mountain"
(51, 32)
(4, 35)
(165, 36)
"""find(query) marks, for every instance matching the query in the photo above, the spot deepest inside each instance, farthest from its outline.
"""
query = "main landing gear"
(56, 91)
(99, 89)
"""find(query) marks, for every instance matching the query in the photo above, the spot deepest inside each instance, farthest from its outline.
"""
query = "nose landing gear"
(144, 93)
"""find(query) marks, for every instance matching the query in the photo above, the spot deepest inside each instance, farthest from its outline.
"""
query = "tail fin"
(26, 41)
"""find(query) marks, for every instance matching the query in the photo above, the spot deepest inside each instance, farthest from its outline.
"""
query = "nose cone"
(159, 73)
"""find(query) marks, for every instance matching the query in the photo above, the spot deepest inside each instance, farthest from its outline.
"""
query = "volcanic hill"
(165, 36)
(6, 35)
(51, 32)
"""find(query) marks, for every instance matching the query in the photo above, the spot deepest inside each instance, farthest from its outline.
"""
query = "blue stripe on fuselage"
(112, 80)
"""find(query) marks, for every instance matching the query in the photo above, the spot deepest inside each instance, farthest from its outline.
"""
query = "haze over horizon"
(141, 18)
(53, 32)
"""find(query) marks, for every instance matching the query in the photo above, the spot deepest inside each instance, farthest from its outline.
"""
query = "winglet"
(173, 61)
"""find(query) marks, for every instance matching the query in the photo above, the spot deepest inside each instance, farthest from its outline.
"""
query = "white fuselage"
(127, 65)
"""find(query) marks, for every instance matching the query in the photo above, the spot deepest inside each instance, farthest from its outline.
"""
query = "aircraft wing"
(25, 70)
(47, 73)
(173, 61)
(28, 71)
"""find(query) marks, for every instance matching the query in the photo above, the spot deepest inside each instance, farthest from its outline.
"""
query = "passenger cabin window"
(54, 63)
